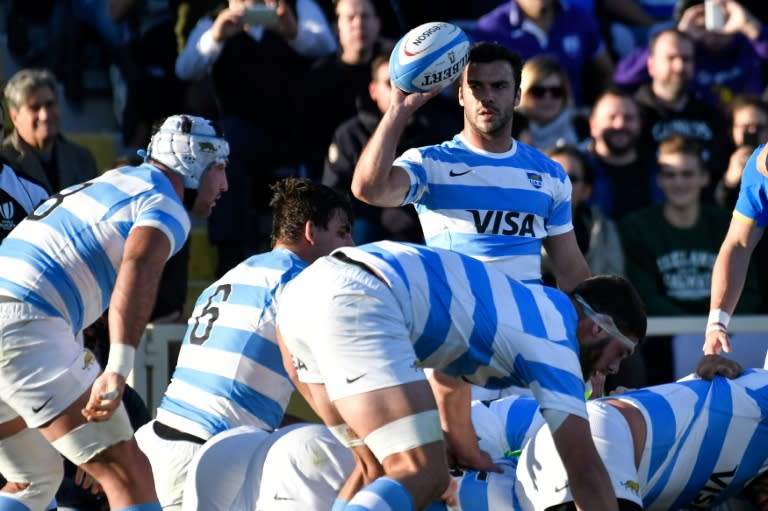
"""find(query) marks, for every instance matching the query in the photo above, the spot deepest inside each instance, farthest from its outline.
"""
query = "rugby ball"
(428, 56)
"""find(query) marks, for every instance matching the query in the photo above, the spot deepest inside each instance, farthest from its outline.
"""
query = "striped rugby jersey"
(64, 257)
(497, 207)
(706, 439)
(473, 322)
(229, 372)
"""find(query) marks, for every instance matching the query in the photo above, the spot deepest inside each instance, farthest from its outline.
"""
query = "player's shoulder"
(536, 160)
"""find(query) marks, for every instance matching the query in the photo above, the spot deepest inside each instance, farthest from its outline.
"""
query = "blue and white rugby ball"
(429, 56)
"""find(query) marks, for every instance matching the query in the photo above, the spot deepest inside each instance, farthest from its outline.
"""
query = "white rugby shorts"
(44, 368)
(345, 329)
(541, 478)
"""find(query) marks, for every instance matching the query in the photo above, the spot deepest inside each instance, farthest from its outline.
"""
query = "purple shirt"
(574, 38)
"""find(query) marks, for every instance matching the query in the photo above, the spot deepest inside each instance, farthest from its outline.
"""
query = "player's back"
(705, 439)
(229, 372)
(64, 257)
(469, 320)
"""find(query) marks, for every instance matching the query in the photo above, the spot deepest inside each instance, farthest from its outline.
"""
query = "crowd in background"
(651, 114)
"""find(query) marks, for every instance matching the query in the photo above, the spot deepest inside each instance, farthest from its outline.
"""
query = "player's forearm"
(728, 276)
(372, 181)
(133, 300)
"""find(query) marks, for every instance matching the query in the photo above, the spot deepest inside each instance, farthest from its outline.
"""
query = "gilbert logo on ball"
(429, 56)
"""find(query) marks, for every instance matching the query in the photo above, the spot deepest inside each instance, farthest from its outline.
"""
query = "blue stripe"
(719, 418)
(549, 377)
(488, 245)
(487, 198)
(438, 323)
(484, 322)
(473, 492)
(256, 297)
(212, 423)
(519, 418)
(530, 314)
(87, 245)
(178, 231)
(51, 271)
(241, 342)
(700, 388)
(238, 393)
(108, 195)
(9, 504)
(391, 260)
(391, 491)
(664, 427)
(30, 297)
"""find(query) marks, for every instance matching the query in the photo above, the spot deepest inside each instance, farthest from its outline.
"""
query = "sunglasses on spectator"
(539, 91)
(575, 179)
(668, 173)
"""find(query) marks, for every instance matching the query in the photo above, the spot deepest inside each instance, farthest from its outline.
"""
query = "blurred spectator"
(623, 170)
(81, 31)
(373, 223)
(28, 31)
(36, 147)
(596, 234)
(152, 91)
(545, 99)
(257, 75)
(335, 83)
(727, 61)
(19, 195)
(749, 127)
(671, 248)
(669, 107)
(570, 34)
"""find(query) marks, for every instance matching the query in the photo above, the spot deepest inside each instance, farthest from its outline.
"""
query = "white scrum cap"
(188, 145)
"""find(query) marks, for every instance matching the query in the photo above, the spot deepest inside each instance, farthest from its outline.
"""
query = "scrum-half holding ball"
(428, 56)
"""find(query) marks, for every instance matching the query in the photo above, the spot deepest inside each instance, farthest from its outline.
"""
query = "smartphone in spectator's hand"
(750, 139)
(714, 15)
(259, 14)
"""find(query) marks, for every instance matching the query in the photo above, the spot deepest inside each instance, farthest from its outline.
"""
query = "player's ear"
(309, 232)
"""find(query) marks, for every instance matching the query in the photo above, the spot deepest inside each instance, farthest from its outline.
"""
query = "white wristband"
(718, 321)
(121, 357)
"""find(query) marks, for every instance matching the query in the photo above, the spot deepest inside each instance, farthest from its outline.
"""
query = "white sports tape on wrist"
(121, 357)
(718, 321)
(405, 434)
(346, 436)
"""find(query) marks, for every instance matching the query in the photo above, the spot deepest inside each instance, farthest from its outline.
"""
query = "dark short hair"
(295, 201)
(618, 298)
(573, 151)
(680, 144)
(748, 100)
(485, 52)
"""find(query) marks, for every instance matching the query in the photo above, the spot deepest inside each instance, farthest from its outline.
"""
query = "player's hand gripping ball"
(431, 55)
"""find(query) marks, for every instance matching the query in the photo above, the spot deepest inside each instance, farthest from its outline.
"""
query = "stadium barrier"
(160, 344)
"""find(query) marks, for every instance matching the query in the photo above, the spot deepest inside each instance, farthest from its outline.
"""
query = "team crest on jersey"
(88, 359)
(632, 486)
(535, 179)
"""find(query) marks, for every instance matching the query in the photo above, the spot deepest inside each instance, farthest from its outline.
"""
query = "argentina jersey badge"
(535, 179)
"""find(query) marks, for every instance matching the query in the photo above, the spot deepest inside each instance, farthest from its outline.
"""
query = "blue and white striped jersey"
(705, 439)
(64, 257)
(229, 371)
(472, 321)
(520, 418)
(497, 207)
